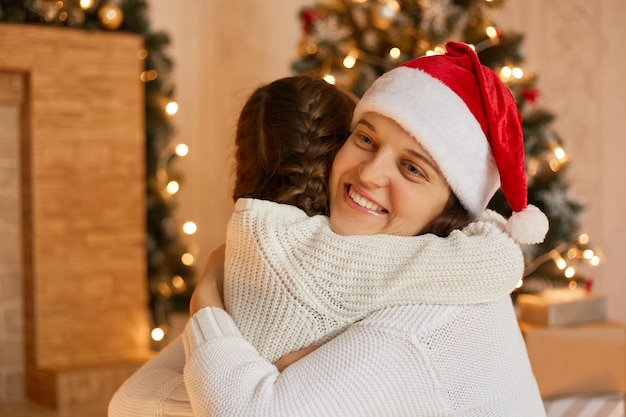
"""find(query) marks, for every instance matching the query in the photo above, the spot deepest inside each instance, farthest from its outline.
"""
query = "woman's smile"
(363, 202)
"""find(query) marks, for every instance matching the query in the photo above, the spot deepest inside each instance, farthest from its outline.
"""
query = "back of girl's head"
(287, 136)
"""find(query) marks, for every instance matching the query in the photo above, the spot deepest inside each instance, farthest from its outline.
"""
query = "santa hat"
(467, 120)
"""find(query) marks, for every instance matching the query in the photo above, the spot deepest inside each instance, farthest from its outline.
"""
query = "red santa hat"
(467, 119)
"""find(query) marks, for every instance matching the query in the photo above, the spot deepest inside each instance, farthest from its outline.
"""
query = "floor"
(28, 409)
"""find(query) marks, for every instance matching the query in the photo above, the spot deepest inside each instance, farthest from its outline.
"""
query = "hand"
(209, 290)
(290, 358)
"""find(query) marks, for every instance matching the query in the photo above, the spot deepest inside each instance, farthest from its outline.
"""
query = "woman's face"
(384, 182)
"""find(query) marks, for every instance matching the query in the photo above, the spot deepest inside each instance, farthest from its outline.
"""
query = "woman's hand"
(290, 358)
(209, 290)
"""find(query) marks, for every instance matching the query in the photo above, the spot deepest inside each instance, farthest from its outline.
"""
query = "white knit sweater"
(291, 282)
(420, 359)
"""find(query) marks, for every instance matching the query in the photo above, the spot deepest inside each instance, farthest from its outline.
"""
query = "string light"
(157, 334)
(187, 259)
(172, 187)
(330, 79)
(350, 60)
(190, 228)
(181, 149)
(394, 53)
(171, 108)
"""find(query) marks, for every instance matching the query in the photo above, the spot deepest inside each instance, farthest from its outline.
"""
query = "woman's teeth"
(363, 202)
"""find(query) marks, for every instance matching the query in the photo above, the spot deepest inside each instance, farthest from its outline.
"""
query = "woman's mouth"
(364, 202)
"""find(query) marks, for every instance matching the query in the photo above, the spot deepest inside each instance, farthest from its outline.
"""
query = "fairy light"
(171, 108)
(505, 73)
(559, 153)
(172, 187)
(181, 149)
(569, 272)
(440, 50)
(178, 283)
(330, 79)
(394, 53)
(491, 32)
(86, 4)
(157, 334)
(520, 283)
(187, 259)
(350, 60)
(189, 228)
(517, 73)
(149, 75)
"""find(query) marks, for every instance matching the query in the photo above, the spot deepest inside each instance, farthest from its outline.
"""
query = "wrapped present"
(611, 405)
(561, 306)
(577, 360)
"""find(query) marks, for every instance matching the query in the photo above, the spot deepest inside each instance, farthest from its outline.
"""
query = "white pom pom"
(528, 226)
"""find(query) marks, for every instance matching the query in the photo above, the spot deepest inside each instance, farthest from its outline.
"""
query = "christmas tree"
(170, 278)
(352, 42)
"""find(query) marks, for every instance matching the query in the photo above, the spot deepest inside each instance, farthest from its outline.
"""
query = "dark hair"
(287, 136)
(454, 216)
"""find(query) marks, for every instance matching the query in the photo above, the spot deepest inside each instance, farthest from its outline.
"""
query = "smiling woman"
(429, 317)
(384, 182)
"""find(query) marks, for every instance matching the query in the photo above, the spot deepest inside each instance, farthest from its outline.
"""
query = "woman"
(436, 130)
(355, 193)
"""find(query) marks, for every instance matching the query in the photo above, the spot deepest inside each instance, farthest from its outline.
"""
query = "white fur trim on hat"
(442, 123)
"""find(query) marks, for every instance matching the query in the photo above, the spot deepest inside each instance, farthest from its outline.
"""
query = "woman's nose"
(375, 171)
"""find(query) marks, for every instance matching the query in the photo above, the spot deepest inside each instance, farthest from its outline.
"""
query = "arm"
(157, 389)
(480, 263)
(355, 374)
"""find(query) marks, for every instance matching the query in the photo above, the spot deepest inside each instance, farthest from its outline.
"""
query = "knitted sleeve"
(157, 389)
(422, 361)
(225, 376)
(291, 282)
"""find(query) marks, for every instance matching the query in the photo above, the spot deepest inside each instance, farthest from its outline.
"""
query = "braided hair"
(287, 136)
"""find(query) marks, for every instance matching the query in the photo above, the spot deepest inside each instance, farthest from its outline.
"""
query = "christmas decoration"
(171, 275)
(353, 42)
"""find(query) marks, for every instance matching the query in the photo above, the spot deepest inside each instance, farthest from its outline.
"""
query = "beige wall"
(223, 49)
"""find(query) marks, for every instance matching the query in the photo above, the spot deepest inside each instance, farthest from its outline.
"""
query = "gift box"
(577, 360)
(611, 405)
(560, 307)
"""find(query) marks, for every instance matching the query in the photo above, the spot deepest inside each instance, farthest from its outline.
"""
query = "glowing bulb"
(506, 72)
(583, 239)
(573, 285)
(560, 263)
(430, 52)
(491, 32)
(518, 73)
(179, 283)
(587, 254)
(330, 79)
(172, 187)
(171, 108)
(350, 60)
(187, 259)
(570, 272)
(520, 283)
(148, 75)
(395, 53)
(595, 260)
(439, 50)
(555, 165)
(190, 228)
(181, 149)
(559, 153)
(86, 4)
(157, 334)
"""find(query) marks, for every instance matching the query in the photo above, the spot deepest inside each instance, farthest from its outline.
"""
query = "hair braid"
(288, 134)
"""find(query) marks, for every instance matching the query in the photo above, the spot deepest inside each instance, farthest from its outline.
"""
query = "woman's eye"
(413, 170)
(366, 140)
